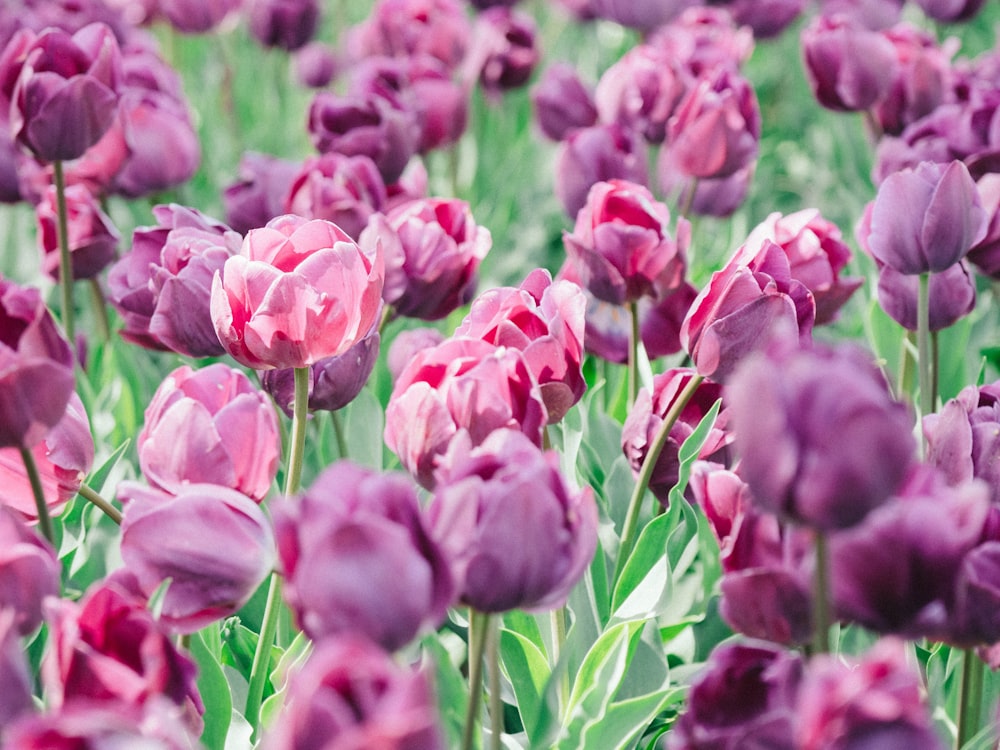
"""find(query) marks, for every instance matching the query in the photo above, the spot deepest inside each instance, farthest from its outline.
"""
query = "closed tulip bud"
(260, 191)
(93, 239)
(213, 544)
(872, 14)
(562, 102)
(462, 384)
(767, 18)
(314, 294)
(345, 190)
(197, 16)
(596, 154)
(285, 24)
(29, 572)
(519, 536)
(315, 65)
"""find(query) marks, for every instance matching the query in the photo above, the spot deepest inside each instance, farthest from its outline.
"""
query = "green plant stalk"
(478, 624)
(338, 433)
(65, 262)
(630, 528)
(633, 352)
(496, 699)
(44, 520)
(269, 625)
(924, 346)
(87, 493)
(969, 698)
(821, 596)
(557, 618)
(100, 310)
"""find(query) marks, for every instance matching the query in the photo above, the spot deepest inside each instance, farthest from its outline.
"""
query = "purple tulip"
(345, 190)
(595, 154)
(620, 248)
(65, 80)
(849, 67)
(976, 618)
(718, 196)
(820, 440)
(161, 287)
(751, 298)
(352, 694)
(985, 254)
(432, 249)
(29, 572)
(767, 18)
(214, 545)
(504, 50)
(644, 15)
(744, 698)
(32, 351)
(816, 256)
(518, 535)
(10, 185)
(15, 698)
(286, 24)
(209, 426)
(641, 90)
(926, 219)
(333, 382)
(315, 65)
(951, 11)
(259, 194)
(877, 701)
(462, 384)
(872, 14)
(404, 28)
(197, 16)
(951, 296)
(93, 239)
(356, 545)
(562, 102)
(646, 418)
(703, 39)
(545, 321)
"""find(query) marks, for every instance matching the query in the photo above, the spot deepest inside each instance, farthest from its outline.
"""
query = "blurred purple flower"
(285, 24)
(404, 28)
(93, 238)
(504, 50)
(197, 16)
(702, 39)
(315, 65)
(259, 194)
(29, 573)
(641, 90)
(767, 18)
(405, 346)
(951, 296)
(562, 102)
(951, 11)
(985, 254)
(595, 154)
(16, 696)
(345, 190)
(644, 15)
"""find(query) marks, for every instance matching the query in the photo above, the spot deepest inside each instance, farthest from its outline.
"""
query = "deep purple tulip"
(161, 287)
(745, 698)
(29, 572)
(985, 254)
(214, 545)
(767, 18)
(461, 384)
(595, 154)
(433, 248)
(285, 24)
(355, 546)
(32, 351)
(93, 238)
(66, 91)
(504, 50)
(315, 65)
(641, 90)
(10, 185)
(620, 248)
(260, 191)
(816, 256)
(644, 15)
(646, 418)
(702, 39)
(876, 701)
(926, 219)
(518, 535)
(751, 298)
(333, 382)
(820, 440)
(345, 190)
(562, 102)
(544, 320)
(209, 426)
(976, 618)
(352, 694)
(951, 11)
(849, 67)
(15, 698)
(404, 28)
(872, 14)
(951, 296)
(197, 16)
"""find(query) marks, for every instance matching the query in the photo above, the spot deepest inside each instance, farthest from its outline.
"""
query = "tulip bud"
(562, 102)
(596, 154)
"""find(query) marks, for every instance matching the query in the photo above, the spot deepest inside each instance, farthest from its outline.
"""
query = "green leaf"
(625, 721)
(364, 422)
(645, 579)
(525, 625)
(215, 694)
(604, 668)
(528, 671)
(450, 686)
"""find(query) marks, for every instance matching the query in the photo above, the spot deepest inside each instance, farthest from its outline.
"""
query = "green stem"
(969, 698)
(496, 699)
(338, 433)
(100, 310)
(478, 621)
(44, 520)
(689, 198)
(633, 352)
(558, 624)
(630, 528)
(261, 658)
(924, 346)
(65, 262)
(88, 494)
(821, 597)
(935, 365)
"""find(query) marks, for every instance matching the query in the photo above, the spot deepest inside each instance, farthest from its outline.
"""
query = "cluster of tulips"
(802, 488)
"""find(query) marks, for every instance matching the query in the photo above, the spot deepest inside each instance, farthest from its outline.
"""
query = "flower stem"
(478, 624)
(821, 596)
(496, 699)
(88, 494)
(630, 528)
(338, 433)
(100, 310)
(65, 263)
(261, 658)
(633, 352)
(924, 346)
(969, 698)
(44, 520)
(558, 623)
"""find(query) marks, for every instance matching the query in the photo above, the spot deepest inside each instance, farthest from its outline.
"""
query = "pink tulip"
(298, 291)
(345, 190)
(93, 239)
(405, 28)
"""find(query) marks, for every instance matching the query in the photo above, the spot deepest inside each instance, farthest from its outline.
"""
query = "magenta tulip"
(951, 11)
(405, 28)
(504, 50)
(702, 39)
(197, 16)
(345, 190)
(767, 18)
(93, 239)
(315, 65)
(951, 295)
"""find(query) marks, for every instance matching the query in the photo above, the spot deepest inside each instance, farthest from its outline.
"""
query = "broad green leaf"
(645, 579)
(450, 686)
(525, 625)
(364, 421)
(215, 694)
(528, 671)
(604, 667)
(624, 721)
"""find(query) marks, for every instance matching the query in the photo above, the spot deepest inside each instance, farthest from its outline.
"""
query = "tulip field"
(481, 374)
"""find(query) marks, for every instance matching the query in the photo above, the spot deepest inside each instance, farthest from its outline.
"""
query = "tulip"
(926, 219)
(213, 544)
(460, 384)
(10, 186)
(432, 248)
(820, 440)
(702, 39)
(872, 14)
(518, 535)
(315, 65)
(641, 90)
(504, 50)
(750, 298)
(767, 18)
(951, 11)
(313, 294)
(345, 190)
(985, 254)
(404, 28)
(93, 238)
(646, 418)
(354, 546)
(196, 16)
(29, 572)
(620, 247)
(15, 698)
(405, 346)
(286, 24)
(595, 154)
(209, 426)
(713, 196)
(352, 694)
(545, 321)
(977, 596)
(951, 296)
(259, 194)
(31, 352)
(162, 286)
(644, 15)
(562, 102)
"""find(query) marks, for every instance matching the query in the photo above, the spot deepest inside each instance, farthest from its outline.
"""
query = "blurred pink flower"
(29, 573)
(93, 238)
